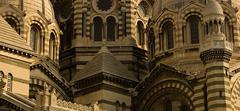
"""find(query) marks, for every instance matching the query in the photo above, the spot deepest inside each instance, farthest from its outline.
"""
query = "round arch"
(97, 28)
(164, 91)
(111, 28)
(16, 18)
(236, 94)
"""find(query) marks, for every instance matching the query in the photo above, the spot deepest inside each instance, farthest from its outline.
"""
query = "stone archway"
(176, 93)
(170, 100)
(164, 84)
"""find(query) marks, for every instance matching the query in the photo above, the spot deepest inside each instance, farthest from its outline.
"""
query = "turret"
(215, 54)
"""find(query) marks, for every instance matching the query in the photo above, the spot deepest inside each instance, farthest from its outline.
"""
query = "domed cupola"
(213, 17)
(213, 12)
(214, 20)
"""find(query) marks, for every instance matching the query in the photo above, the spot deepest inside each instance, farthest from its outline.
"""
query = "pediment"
(162, 73)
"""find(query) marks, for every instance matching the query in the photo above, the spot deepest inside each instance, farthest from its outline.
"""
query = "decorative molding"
(27, 54)
(104, 76)
(215, 54)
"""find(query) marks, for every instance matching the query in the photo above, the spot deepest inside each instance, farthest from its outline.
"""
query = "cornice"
(100, 77)
(16, 51)
(215, 55)
(62, 85)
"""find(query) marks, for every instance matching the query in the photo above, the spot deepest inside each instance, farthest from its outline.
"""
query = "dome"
(213, 8)
(30, 6)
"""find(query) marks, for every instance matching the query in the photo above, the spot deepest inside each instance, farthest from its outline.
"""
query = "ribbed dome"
(213, 8)
(34, 6)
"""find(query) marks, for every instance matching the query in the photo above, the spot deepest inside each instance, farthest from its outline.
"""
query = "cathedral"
(119, 55)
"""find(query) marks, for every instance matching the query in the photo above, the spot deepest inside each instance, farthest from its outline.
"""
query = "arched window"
(193, 26)
(36, 40)
(206, 28)
(9, 82)
(118, 106)
(52, 47)
(124, 106)
(168, 34)
(151, 42)
(111, 29)
(228, 29)
(140, 33)
(13, 24)
(98, 29)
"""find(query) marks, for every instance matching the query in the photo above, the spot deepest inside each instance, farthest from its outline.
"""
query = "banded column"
(217, 79)
(130, 18)
(78, 5)
(200, 94)
(122, 19)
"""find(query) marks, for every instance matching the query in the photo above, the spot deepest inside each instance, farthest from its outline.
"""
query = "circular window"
(104, 6)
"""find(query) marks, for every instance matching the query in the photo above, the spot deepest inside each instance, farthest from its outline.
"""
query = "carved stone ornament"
(103, 6)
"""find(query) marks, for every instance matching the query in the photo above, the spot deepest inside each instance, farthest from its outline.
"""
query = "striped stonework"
(78, 6)
(35, 83)
(159, 90)
(16, 18)
(121, 18)
(217, 79)
(236, 95)
(130, 18)
(199, 95)
(88, 18)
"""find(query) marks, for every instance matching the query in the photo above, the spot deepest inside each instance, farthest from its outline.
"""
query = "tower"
(216, 52)
(112, 24)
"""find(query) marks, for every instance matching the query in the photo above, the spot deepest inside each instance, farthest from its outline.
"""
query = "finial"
(45, 88)
(53, 91)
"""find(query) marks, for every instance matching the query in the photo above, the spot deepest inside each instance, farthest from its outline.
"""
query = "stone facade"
(119, 55)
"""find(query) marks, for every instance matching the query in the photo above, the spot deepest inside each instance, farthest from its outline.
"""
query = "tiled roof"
(105, 62)
(10, 38)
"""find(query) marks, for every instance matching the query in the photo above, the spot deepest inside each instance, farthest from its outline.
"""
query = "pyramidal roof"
(10, 38)
(105, 62)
